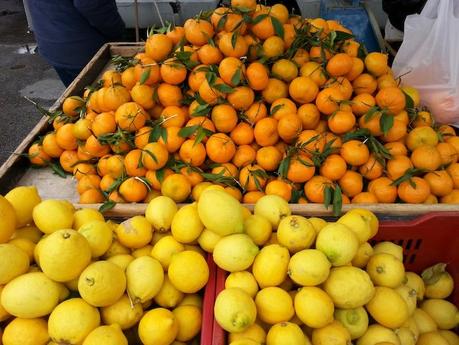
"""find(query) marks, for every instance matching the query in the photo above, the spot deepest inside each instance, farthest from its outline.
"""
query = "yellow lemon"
(272, 239)
(208, 240)
(438, 282)
(196, 248)
(317, 223)
(192, 299)
(363, 255)
(198, 189)
(389, 248)
(406, 336)
(243, 280)
(52, 215)
(415, 282)
(309, 267)
(388, 308)
(30, 232)
(165, 248)
(270, 265)
(411, 325)
(107, 335)
(431, 338)
(188, 271)
(220, 212)
(444, 313)
(158, 326)
(186, 225)
(286, 332)
(333, 333)
(123, 313)
(4, 315)
(355, 320)
(99, 236)
(23, 199)
(258, 228)
(295, 233)
(254, 332)
(409, 296)
(102, 283)
(27, 246)
(7, 220)
(235, 252)
(338, 243)
(234, 310)
(121, 260)
(86, 215)
(349, 287)
(358, 224)
(73, 251)
(144, 251)
(144, 278)
(424, 322)
(160, 212)
(159, 235)
(189, 319)
(274, 305)
(369, 217)
(26, 332)
(116, 248)
(386, 270)
(378, 334)
(72, 321)
(314, 307)
(13, 262)
(168, 296)
(273, 208)
(451, 337)
(244, 342)
(135, 232)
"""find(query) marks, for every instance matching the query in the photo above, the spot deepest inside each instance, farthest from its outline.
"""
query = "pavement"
(22, 73)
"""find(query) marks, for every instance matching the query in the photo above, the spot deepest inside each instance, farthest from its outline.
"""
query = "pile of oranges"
(256, 101)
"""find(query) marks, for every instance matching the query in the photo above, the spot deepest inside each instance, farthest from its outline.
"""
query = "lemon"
(244, 342)
(363, 255)
(220, 212)
(386, 270)
(378, 334)
(159, 235)
(107, 335)
(355, 320)
(389, 248)
(158, 326)
(192, 299)
(388, 308)
(152, 193)
(235, 310)
(198, 189)
(274, 305)
(168, 296)
(52, 215)
(359, 224)
(258, 228)
(314, 307)
(444, 313)
(431, 338)
(144, 251)
(144, 277)
(99, 236)
(86, 215)
(451, 337)
(424, 321)
(26, 332)
(123, 313)
(333, 333)
(349, 287)
(64, 255)
(165, 248)
(286, 333)
(31, 233)
(102, 283)
(160, 212)
(186, 225)
(27, 246)
(317, 223)
(188, 271)
(235, 252)
(30, 295)
(116, 248)
(411, 325)
(23, 199)
(295, 233)
(338, 243)
(7, 220)
(273, 208)
(370, 217)
(72, 284)
(243, 280)
(196, 248)
(4, 315)
(415, 282)
(72, 321)
(136, 232)
(255, 333)
(208, 240)
(13, 262)
(189, 319)
(309, 267)
(406, 336)
(121, 260)
(270, 265)
(409, 296)
(438, 282)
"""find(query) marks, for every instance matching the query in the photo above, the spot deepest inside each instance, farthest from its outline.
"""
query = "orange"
(392, 99)
(92, 196)
(372, 169)
(285, 70)
(319, 25)
(177, 187)
(217, 15)
(88, 182)
(275, 89)
(252, 197)
(303, 90)
(176, 34)
(289, 127)
(431, 199)
(198, 31)
(327, 100)
(281, 107)
(82, 169)
(376, 63)
(104, 123)
(115, 166)
(65, 138)
(234, 192)
(154, 156)
(242, 134)
(158, 46)
(300, 170)
(244, 4)
(343, 85)
(452, 198)
(192, 152)
(82, 129)
(396, 148)
(252, 177)
(264, 28)
(156, 111)
(235, 22)
(310, 141)
(317, 53)
(448, 153)
(173, 139)
(364, 198)
(257, 76)
(224, 117)
(173, 71)
(68, 159)
(116, 197)
(314, 71)
(362, 103)
(415, 191)
(196, 77)
(148, 69)
(194, 177)
(426, 157)
(265, 132)
(241, 98)
(37, 155)
(315, 187)
(351, 48)
(309, 115)
(133, 163)
(273, 47)
(397, 132)
(174, 116)
(385, 81)
(228, 67)
(210, 94)
(102, 169)
(50, 146)
(446, 131)
(334, 141)
(341, 122)
(256, 112)
(453, 141)
(133, 189)
(269, 158)
(356, 69)
(383, 189)
(453, 171)
(333, 167)
(398, 166)
(156, 177)
(142, 137)
(423, 118)
(95, 148)
(245, 155)
(82, 154)
(169, 94)
(421, 136)
(355, 152)
(280, 188)
(220, 148)
(130, 116)
(351, 183)
(280, 12)
(339, 65)
(402, 116)
(128, 79)
(440, 182)
(209, 55)
(72, 105)
(121, 146)
(289, 35)
(226, 46)
(226, 169)
(364, 83)
(202, 121)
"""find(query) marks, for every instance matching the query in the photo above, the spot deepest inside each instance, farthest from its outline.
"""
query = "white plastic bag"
(429, 58)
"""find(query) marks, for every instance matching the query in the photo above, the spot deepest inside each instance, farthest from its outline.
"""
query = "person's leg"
(67, 75)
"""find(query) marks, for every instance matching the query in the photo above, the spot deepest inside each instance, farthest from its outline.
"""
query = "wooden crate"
(17, 171)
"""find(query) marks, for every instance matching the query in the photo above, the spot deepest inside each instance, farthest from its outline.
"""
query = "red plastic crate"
(426, 240)
(208, 304)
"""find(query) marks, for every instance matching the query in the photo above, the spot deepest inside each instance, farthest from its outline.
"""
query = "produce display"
(259, 102)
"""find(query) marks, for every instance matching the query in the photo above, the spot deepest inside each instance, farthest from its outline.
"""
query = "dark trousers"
(67, 75)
